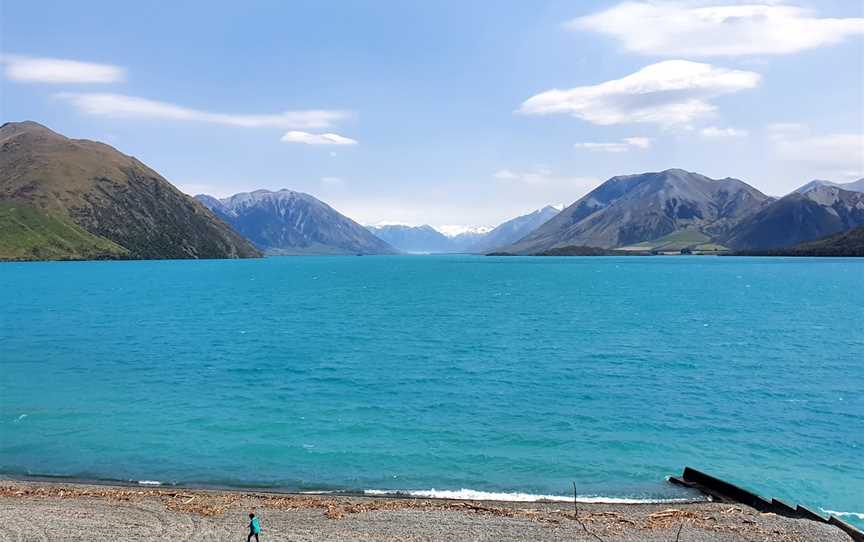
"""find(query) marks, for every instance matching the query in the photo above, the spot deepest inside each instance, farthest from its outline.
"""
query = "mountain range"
(854, 186)
(630, 209)
(63, 198)
(514, 229)
(291, 223)
(413, 239)
(427, 240)
(798, 217)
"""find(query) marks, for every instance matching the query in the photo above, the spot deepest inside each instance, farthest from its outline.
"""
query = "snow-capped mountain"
(466, 239)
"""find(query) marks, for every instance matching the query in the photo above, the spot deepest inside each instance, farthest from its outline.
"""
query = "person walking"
(254, 528)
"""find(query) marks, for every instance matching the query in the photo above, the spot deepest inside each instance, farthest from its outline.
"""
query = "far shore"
(52, 510)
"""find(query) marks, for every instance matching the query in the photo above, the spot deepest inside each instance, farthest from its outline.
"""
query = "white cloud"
(638, 142)
(835, 151)
(673, 92)
(541, 176)
(316, 139)
(784, 130)
(714, 132)
(801, 154)
(505, 175)
(123, 106)
(56, 71)
(628, 143)
(683, 28)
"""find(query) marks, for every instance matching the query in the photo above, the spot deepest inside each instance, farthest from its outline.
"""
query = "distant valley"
(427, 240)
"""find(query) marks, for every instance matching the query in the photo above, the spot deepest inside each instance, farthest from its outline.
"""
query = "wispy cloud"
(673, 92)
(123, 106)
(317, 139)
(59, 71)
(675, 28)
(628, 143)
(714, 132)
(784, 130)
(837, 156)
(836, 152)
(542, 176)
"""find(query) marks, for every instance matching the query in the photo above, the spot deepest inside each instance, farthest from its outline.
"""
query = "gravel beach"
(63, 511)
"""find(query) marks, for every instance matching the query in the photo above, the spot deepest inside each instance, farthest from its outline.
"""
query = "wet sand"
(64, 511)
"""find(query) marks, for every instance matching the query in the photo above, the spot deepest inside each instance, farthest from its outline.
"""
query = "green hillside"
(676, 241)
(28, 233)
(107, 194)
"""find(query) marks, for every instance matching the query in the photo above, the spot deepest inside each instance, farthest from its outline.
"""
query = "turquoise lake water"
(513, 375)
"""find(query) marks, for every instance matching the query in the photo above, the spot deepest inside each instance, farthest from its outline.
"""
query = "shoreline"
(463, 494)
(64, 510)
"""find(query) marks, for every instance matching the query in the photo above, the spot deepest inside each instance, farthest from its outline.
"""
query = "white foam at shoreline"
(475, 495)
(859, 515)
(149, 483)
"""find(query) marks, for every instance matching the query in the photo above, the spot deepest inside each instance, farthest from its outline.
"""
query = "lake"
(460, 374)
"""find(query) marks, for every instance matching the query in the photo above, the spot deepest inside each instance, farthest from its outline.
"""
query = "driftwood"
(576, 515)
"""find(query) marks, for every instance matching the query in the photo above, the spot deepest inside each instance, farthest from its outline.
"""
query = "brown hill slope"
(110, 195)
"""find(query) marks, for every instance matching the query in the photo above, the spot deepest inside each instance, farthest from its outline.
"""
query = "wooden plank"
(810, 514)
(856, 535)
(725, 489)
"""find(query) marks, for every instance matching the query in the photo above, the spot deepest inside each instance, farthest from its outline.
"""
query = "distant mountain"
(513, 230)
(465, 241)
(798, 217)
(78, 199)
(288, 222)
(854, 186)
(631, 209)
(413, 239)
(847, 244)
(478, 240)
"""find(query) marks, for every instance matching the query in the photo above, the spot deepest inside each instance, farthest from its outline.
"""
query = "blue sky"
(447, 112)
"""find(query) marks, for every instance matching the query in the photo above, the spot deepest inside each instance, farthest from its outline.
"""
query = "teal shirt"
(255, 526)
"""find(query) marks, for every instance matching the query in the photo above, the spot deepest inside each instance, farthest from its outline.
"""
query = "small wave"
(859, 515)
(475, 495)
(149, 483)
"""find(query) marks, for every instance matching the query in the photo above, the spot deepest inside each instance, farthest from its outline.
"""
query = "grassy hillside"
(110, 195)
(677, 241)
(28, 233)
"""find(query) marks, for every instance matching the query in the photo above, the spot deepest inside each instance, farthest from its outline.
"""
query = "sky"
(450, 113)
